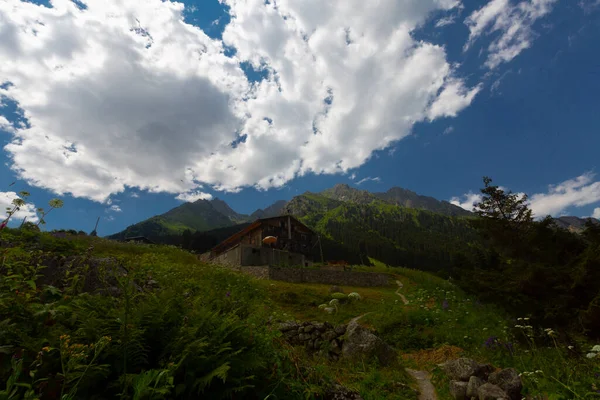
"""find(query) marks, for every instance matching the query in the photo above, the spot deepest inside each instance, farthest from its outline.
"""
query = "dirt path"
(426, 389)
(400, 286)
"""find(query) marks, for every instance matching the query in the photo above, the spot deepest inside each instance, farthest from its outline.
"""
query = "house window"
(302, 236)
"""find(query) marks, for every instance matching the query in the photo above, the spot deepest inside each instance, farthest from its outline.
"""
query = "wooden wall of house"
(302, 239)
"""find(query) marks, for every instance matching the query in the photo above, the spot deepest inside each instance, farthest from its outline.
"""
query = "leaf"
(31, 284)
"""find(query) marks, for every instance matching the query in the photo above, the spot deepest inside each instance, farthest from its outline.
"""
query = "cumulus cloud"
(194, 196)
(596, 213)
(126, 94)
(448, 130)
(466, 201)
(28, 210)
(114, 208)
(367, 179)
(512, 22)
(577, 192)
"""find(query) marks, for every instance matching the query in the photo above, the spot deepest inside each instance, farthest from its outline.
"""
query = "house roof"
(236, 237)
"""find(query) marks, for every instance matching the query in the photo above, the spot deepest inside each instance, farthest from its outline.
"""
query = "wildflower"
(591, 355)
(485, 329)
(445, 304)
(228, 294)
(570, 347)
(596, 348)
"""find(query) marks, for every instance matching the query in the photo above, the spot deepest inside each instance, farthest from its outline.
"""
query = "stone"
(310, 344)
(488, 391)
(301, 329)
(315, 334)
(340, 329)
(329, 335)
(339, 392)
(319, 326)
(461, 369)
(309, 328)
(508, 380)
(317, 344)
(473, 385)
(303, 337)
(290, 334)
(360, 343)
(458, 390)
(288, 326)
(484, 371)
(327, 325)
(335, 347)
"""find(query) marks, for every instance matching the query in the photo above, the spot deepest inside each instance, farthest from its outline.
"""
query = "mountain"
(201, 215)
(394, 234)
(273, 210)
(396, 196)
(574, 224)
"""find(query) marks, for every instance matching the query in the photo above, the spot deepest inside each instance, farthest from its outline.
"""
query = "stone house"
(294, 246)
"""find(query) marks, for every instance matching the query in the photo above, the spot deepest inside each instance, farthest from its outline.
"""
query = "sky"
(126, 109)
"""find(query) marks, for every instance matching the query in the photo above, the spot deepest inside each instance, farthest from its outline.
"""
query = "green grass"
(205, 331)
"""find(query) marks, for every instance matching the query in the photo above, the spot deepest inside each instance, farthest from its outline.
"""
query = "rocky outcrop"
(361, 343)
(350, 341)
(471, 380)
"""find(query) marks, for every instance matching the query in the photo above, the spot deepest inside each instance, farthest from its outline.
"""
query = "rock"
(336, 289)
(327, 325)
(339, 392)
(288, 326)
(458, 390)
(473, 385)
(340, 329)
(488, 391)
(508, 380)
(317, 344)
(303, 337)
(309, 328)
(335, 347)
(361, 343)
(290, 334)
(484, 371)
(319, 326)
(329, 335)
(461, 369)
(301, 329)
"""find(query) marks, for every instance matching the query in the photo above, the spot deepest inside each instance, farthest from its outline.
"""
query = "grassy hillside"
(396, 235)
(156, 323)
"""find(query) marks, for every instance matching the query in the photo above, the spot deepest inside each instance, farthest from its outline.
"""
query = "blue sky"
(144, 106)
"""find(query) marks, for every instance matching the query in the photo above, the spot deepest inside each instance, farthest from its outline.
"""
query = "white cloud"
(453, 98)
(449, 20)
(169, 103)
(596, 213)
(114, 208)
(367, 179)
(513, 22)
(448, 130)
(352, 176)
(194, 196)
(578, 192)
(28, 210)
(134, 195)
(466, 201)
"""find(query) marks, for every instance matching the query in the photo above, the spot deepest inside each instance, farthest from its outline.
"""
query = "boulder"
(458, 390)
(488, 391)
(473, 385)
(461, 369)
(508, 380)
(360, 343)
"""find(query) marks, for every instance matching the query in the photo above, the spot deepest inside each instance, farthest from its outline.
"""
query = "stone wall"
(344, 278)
(257, 272)
(316, 337)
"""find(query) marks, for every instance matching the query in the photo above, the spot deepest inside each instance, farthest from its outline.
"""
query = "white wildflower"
(596, 348)
(591, 355)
